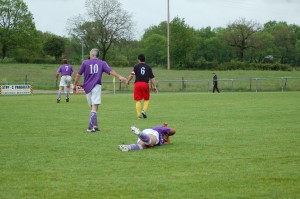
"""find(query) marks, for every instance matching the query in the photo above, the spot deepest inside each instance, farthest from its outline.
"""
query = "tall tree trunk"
(241, 55)
(4, 51)
(104, 52)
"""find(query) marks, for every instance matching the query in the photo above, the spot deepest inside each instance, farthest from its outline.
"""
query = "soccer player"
(93, 68)
(66, 71)
(148, 138)
(143, 73)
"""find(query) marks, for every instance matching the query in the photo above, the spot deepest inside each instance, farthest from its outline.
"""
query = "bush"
(27, 60)
(118, 63)
(7, 60)
(237, 65)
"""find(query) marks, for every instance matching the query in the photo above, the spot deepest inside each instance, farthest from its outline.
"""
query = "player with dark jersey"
(143, 74)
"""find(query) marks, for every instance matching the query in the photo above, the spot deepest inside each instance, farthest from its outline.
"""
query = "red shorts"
(141, 91)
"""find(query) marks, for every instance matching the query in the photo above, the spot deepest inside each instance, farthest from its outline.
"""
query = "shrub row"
(235, 65)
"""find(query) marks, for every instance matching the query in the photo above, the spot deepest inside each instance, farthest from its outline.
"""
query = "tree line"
(243, 44)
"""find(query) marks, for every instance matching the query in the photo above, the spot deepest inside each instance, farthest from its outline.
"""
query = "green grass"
(228, 145)
(42, 76)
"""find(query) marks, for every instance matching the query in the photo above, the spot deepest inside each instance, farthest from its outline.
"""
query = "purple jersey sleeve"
(162, 130)
(93, 70)
(65, 70)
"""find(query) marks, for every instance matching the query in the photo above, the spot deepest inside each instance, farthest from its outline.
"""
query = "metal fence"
(281, 84)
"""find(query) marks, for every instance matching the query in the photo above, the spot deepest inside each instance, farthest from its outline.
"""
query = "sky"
(53, 15)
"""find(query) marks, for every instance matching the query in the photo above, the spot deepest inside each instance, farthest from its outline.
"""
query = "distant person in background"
(215, 82)
(93, 68)
(143, 73)
(66, 71)
(149, 138)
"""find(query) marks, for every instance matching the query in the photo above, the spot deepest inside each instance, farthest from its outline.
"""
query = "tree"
(209, 46)
(239, 35)
(263, 47)
(183, 40)
(155, 48)
(55, 46)
(16, 25)
(106, 24)
(161, 29)
(285, 40)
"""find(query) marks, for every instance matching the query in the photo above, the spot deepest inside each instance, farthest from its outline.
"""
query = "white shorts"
(65, 80)
(152, 132)
(94, 97)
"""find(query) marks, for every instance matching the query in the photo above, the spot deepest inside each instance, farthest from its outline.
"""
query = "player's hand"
(154, 89)
(123, 80)
(166, 139)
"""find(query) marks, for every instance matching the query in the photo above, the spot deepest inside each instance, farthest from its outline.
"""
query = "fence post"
(285, 83)
(114, 83)
(256, 84)
(282, 84)
(208, 86)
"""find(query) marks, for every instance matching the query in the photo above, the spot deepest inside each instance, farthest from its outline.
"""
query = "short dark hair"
(65, 61)
(141, 57)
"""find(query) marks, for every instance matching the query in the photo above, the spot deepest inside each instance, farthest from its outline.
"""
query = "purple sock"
(145, 138)
(58, 94)
(68, 94)
(93, 118)
(135, 147)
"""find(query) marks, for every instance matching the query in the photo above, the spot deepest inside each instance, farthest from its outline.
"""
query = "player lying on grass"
(148, 138)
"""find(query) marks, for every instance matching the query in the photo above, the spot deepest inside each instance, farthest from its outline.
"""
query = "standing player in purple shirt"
(93, 69)
(148, 138)
(66, 71)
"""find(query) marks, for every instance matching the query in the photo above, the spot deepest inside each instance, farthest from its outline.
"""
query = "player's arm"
(74, 73)
(120, 77)
(130, 77)
(57, 75)
(153, 84)
(76, 79)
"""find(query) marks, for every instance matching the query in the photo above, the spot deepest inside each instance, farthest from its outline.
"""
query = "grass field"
(228, 145)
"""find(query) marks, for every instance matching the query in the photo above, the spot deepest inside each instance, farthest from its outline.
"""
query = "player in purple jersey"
(66, 71)
(93, 68)
(148, 138)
